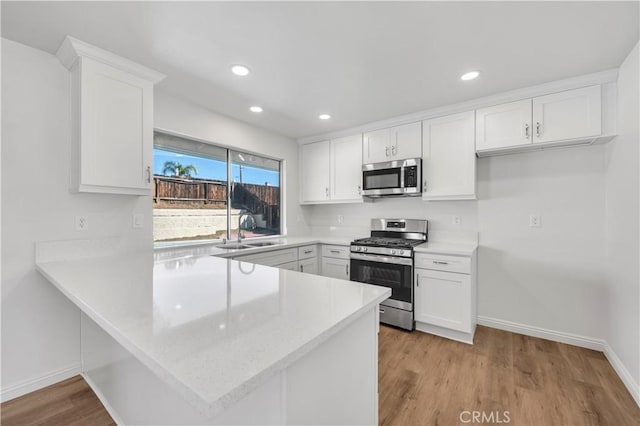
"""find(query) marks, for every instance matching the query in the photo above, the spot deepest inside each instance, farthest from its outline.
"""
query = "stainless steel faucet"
(253, 221)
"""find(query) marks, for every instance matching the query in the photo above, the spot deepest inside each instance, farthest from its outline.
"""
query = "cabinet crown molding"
(71, 49)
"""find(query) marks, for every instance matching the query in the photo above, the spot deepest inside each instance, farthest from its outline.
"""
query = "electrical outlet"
(340, 218)
(456, 220)
(82, 223)
(137, 219)
(535, 221)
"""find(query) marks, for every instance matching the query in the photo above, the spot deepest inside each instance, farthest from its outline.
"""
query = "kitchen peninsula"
(206, 340)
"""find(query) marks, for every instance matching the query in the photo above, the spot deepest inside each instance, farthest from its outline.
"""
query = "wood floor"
(426, 380)
(68, 403)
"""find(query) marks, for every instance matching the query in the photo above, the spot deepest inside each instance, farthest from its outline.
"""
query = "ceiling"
(358, 61)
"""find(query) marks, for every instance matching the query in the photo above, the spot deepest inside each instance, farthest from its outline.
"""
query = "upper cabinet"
(112, 120)
(314, 172)
(567, 115)
(394, 143)
(449, 157)
(331, 171)
(504, 125)
(564, 118)
(346, 168)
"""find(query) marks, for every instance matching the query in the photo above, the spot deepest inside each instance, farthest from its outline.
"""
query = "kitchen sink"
(234, 246)
(264, 244)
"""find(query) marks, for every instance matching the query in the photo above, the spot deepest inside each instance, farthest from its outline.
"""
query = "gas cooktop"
(387, 242)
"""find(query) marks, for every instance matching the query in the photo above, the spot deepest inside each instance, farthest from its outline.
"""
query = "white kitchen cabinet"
(314, 171)
(112, 120)
(445, 295)
(335, 268)
(567, 115)
(558, 119)
(504, 125)
(308, 266)
(443, 299)
(331, 171)
(335, 261)
(449, 157)
(308, 259)
(346, 168)
(275, 258)
(289, 266)
(394, 143)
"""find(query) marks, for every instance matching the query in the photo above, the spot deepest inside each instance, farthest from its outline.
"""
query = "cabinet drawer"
(340, 252)
(307, 252)
(271, 258)
(439, 262)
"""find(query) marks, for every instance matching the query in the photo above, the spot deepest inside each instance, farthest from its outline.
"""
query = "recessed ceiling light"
(470, 75)
(255, 109)
(240, 70)
(324, 116)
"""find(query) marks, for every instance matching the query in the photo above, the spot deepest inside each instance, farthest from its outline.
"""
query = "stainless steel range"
(386, 259)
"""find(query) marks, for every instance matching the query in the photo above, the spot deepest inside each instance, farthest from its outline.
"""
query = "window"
(202, 191)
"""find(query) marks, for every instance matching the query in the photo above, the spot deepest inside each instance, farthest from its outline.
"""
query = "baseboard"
(543, 333)
(623, 373)
(14, 391)
(105, 402)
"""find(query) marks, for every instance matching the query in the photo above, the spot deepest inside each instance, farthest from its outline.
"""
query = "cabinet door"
(375, 147)
(449, 157)
(443, 299)
(115, 130)
(335, 268)
(571, 114)
(308, 266)
(314, 172)
(406, 141)
(504, 125)
(289, 266)
(346, 168)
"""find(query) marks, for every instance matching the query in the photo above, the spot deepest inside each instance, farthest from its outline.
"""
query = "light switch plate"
(137, 220)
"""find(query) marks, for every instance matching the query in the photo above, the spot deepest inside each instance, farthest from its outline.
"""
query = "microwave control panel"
(411, 177)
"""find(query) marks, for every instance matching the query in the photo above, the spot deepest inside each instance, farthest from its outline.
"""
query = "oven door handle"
(383, 259)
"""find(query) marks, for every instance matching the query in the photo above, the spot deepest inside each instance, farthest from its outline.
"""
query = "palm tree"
(177, 169)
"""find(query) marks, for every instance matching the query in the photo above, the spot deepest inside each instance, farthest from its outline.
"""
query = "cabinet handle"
(326, 191)
(386, 151)
(526, 130)
(359, 190)
(424, 186)
(538, 129)
(439, 262)
(347, 265)
(148, 174)
(308, 251)
(394, 150)
(417, 280)
(301, 268)
(381, 310)
(334, 251)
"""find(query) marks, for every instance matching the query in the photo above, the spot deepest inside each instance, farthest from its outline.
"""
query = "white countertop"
(214, 329)
(447, 248)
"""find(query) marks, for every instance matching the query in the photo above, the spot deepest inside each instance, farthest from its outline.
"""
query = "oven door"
(395, 273)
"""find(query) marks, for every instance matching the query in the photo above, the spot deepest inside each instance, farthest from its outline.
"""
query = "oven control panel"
(381, 251)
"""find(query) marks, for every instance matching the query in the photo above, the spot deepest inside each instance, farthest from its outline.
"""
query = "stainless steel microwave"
(400, 177)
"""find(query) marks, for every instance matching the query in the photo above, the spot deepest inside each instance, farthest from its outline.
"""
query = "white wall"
(550, 277)
(622, 227)
(40, 328)
(189, 119)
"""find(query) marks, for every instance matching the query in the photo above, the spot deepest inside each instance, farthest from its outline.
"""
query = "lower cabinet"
(289, 266)
(308, 266)
(335, 261)
(445, 296)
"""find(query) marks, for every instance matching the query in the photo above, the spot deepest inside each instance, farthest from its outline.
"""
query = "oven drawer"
(440, 262)
(341, 252)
